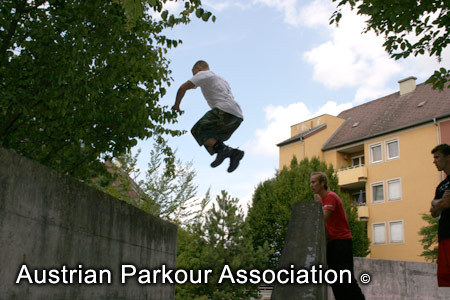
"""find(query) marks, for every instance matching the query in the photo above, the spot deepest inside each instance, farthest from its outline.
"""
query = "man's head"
(318, 182)
(441, 157)
(201, 65)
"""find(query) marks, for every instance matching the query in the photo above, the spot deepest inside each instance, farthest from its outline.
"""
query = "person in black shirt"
(440, 206)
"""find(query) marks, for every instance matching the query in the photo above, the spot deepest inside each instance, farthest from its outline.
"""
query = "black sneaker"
(221, 155)
(235, 158)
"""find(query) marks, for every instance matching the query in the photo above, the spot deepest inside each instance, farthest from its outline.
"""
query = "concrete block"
(305, 247)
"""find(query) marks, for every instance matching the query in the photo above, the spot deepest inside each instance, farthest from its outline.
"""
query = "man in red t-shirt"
(339, 244)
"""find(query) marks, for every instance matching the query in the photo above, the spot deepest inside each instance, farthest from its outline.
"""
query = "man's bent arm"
(442, 204)
(180, 94)
(439, 207)
(326, 214)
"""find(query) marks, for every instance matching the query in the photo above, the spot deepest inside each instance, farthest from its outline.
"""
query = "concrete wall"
(393, 280)
(399, 280)
(48, 220)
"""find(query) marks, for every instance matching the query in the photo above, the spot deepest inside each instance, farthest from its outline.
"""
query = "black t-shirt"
(444, 221)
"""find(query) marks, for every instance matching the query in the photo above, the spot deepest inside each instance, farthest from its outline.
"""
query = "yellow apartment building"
(382, 153)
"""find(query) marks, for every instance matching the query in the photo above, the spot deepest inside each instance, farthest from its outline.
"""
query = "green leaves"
(87, 81)
(206, 16)
(164, 15)
(134, 10)
(440, 78)
(429, 239)
(199, 12)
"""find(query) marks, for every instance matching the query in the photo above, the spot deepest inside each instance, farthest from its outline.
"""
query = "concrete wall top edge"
(60, 200)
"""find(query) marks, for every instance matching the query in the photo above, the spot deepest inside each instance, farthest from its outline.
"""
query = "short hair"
(443, 148)
(202, 64)
(322, 178)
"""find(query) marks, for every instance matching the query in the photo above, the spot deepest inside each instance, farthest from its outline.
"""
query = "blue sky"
(284, 64)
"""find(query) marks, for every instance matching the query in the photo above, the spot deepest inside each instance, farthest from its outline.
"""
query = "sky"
(285, 64)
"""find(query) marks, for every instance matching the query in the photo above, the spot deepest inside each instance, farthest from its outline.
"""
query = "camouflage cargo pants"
(215, 124)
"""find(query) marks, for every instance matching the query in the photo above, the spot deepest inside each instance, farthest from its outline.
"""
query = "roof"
(389, 114)
(302, 135)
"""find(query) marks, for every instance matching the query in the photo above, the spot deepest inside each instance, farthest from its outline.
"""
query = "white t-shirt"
(217, 92)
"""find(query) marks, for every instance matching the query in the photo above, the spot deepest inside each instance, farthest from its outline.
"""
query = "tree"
(218, 237)
(120, 182)
(171, 190)
(269, 215)
(361, 242)
(162, 193)
(81, 80)
(409, 27)
(429, 239)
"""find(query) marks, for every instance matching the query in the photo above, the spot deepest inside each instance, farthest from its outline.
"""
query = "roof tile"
(390, 113)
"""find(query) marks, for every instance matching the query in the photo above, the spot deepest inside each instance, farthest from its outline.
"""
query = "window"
(359, 198)
(358, 161)
(375, 153)
(394, 189)
(379, 233)
(396, 232)
(392, 150)
(377, 192)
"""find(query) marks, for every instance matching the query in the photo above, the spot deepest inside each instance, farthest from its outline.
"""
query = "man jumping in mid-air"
(218, 124)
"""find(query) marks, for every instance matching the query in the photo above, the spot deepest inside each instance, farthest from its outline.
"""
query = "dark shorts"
(443, 263)
(215, 124)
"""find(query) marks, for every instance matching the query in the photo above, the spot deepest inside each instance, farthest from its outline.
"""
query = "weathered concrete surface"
(399, 280)
(48, 220)
(304, 247)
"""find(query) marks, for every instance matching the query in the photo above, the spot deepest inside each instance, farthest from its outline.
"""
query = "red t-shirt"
(337, 224)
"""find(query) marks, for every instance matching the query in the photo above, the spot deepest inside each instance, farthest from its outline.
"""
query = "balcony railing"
(352, 177)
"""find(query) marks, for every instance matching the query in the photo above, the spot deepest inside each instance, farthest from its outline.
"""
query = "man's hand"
(438, 205)
(180, 94)
(446, 197)
(177, 109)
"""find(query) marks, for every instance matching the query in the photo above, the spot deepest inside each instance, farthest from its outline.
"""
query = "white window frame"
(387, 189)
(373, 233)
(359, 157)
(403, 232)
(371, 192)
(387, 148)
(380, 144)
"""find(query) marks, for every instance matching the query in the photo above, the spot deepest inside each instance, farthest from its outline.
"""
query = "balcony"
(363, 213)
(352, 177)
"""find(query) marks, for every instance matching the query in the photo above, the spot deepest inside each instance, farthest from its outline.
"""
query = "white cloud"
(350, 58)
(280, 119)
(317, 13)
(290, 9)
(353, 59)
(222, 5)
